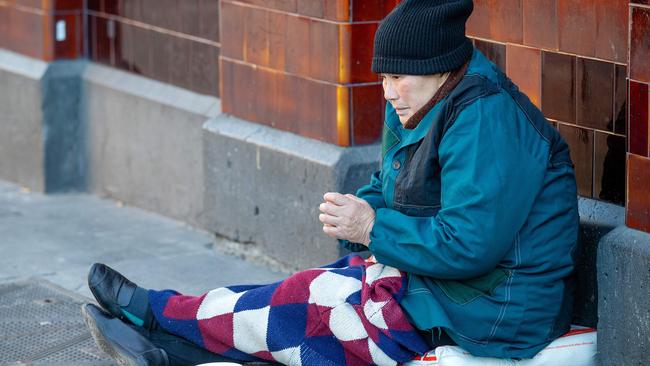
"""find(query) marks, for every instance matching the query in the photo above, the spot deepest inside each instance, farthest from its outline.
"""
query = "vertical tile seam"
(350, 11)
(351, 140)
(47, 53)
(575, 89)
(593, 165)
(647, 116)
(614, 90)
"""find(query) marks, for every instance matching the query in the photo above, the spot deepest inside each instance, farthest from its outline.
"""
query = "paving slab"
(58, 237)
(48, 242)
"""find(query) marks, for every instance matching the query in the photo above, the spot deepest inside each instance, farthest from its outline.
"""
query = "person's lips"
(401, 110)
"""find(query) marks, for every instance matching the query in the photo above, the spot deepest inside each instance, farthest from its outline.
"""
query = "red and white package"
(576, 348)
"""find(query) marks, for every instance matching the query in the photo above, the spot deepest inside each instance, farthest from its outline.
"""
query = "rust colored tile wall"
(4, 24)
(499, 20)
(540, 23)
(70, 46)
(29, 32)
(181, 50)
(306, 107)
(478, 24)
(611, 30)
(316, 50)
(577, 26)
(620, 100)
(299, 45)
(365, 114)
(337, 10)
(581, 144)
(208, 20)
(495, 52)
(595, 92)
(363, 10)
(357, 69)
(64, 4)
(43, 29)
(101, 44)
(506, 20)
(638, 174)
(173, 41)
(580, 78)
(558, 86)
(524, 67)
(204, 66)
(638, 134)
(638, 195)
(640, 44)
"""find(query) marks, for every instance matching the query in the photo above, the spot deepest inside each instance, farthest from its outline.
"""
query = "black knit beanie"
(423, 37)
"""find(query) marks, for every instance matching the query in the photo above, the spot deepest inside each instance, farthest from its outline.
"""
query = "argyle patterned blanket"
(346, 313)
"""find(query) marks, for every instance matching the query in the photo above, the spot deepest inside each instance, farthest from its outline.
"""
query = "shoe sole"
(111, 349)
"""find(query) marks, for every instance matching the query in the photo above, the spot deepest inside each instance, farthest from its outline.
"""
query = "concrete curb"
(263, 187)
(624, 297)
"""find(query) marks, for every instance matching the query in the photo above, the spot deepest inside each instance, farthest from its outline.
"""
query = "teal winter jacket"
(478, 204)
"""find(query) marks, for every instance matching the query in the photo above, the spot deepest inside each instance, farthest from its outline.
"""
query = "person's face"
(409, 93)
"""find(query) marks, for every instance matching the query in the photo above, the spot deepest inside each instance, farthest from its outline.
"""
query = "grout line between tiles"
(143, 25)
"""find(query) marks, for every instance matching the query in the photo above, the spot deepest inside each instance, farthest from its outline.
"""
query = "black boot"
(121, 342)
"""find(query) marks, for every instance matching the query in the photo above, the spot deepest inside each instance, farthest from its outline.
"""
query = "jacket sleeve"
(490, 177)
(372, 193)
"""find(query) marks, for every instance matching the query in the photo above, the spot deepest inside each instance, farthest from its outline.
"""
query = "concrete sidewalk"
(56, 238)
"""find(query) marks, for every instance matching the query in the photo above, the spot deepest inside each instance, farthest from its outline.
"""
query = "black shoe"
(111, 290)
(121, 342)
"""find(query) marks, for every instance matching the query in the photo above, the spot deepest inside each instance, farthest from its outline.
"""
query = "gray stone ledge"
(152, 90)
(604, 215)
(144, 141)
(263, 187)
(597, 218)
(624, 297)
(22, 65)
(21, 120)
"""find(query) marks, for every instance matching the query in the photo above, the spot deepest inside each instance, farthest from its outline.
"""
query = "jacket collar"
(425, 116)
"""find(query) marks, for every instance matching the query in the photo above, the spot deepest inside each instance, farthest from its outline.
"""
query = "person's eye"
(395, 77)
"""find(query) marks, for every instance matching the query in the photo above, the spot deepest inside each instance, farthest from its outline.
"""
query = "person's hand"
(347, 217)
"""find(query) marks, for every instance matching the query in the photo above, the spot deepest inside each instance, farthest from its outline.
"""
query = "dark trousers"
(182, 352)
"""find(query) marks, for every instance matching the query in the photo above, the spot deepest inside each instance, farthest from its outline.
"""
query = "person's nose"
(389, 91)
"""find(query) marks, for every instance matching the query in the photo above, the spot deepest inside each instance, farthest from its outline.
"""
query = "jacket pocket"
(463, 292)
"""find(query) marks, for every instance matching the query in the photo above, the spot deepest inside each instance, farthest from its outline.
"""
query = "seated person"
(471, 222)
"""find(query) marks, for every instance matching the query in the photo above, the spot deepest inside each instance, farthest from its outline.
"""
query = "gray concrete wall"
(21, 129)
(144, 142)
(263, 187)
(624, 298)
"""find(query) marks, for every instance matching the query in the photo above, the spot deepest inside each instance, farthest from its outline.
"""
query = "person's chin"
(403, 118)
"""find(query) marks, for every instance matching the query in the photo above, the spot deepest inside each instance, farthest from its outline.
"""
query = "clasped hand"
(347, 217)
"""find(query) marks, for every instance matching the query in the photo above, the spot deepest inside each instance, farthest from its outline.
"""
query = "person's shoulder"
(480, 65)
